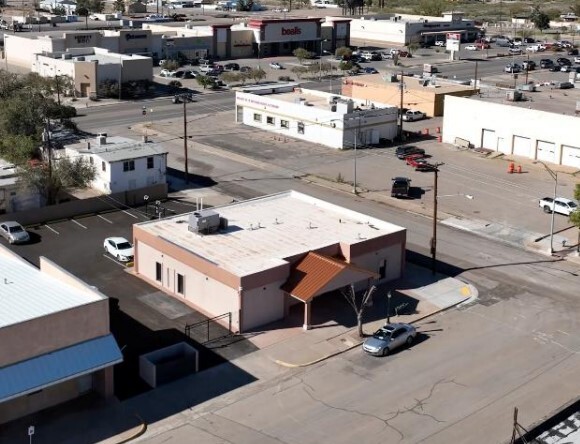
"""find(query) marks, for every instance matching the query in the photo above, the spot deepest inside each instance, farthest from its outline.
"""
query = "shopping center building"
(252, 38)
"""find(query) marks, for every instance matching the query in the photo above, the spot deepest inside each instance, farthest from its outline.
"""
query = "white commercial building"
(315, 116)
(122, 164)
(403, 29)
(535, 134)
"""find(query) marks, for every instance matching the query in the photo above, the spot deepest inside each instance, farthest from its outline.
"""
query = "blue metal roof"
(58, 366)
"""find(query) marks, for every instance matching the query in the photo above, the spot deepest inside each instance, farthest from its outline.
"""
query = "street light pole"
(356, 130)
(185, 153)
(555, 177)
(389, 307)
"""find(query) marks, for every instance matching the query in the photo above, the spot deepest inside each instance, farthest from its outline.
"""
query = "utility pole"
(48, 149)
(401, 86)
(185, 154)
(475, 77)
(527, 68)
(434, 237)
(57, 89)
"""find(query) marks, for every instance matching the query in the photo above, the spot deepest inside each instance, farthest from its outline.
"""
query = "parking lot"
(143, 318)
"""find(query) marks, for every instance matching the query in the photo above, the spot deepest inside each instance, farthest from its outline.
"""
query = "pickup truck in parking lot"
(559, 205)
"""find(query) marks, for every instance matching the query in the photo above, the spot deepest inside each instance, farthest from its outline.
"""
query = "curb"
(141, 429)
(331, 355)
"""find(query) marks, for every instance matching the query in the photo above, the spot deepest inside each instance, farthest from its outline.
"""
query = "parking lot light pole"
(389, 307)
(320, 60)
(554, 175)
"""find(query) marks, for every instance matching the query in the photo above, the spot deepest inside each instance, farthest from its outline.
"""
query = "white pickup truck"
(559, 205)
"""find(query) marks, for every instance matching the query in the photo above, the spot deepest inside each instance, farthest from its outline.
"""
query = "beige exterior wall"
(372, 261)
(42, 335)
(137, 69)
(40, 400)
(86, 78)
(203, 292)
(20, 50)
(242, 40)
(263, 305)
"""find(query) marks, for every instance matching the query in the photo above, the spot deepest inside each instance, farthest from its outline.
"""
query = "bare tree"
(359, 308)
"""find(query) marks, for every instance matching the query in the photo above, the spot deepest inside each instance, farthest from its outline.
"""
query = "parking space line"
(52, 229)
(78, 223)
(104, 218)
(129, 214)
(105, 255)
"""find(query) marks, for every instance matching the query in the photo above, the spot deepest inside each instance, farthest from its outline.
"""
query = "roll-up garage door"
(571, 156)
(488, 139)
(546, 151)
(522, 146)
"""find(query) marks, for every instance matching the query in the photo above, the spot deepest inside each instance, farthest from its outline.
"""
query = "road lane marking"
(563, 332)
(104, 218)
(78, 223)
(112, 259)
(52, 229)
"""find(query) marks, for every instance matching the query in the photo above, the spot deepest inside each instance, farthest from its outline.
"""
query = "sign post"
(30, 433)
(453, 41)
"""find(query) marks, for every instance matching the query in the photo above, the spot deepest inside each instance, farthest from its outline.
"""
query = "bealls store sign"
(135, 36)
(291, 31)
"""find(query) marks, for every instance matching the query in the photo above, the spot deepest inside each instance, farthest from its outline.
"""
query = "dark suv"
(404, 151)
(546, 63)
(401, 186)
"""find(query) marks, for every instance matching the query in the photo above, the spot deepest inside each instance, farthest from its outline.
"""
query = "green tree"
(109, 88)
(257, 74)
(204, 81)
(245, 5)
(412, 47)
(230, 77)
(83, 11)
(345, 66)
(170, 64)
(19, 149)
(66, 173)
(59, 10)
(91, 5)
(575, 8)
(119, 5)
(301, 54)
(299, 71)
(433, 8)
(344, 51)
(540, 19)
(175, 84)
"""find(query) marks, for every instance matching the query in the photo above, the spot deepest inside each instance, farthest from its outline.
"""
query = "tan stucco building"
(426, 95)
(55, 336)
(259, 257)
(88, 67)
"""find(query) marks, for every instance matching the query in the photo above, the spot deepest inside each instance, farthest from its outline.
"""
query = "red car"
(419, 163)
(413, 158)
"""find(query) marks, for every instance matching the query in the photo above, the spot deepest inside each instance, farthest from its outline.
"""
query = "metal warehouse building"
(254, 259)
(55, 339)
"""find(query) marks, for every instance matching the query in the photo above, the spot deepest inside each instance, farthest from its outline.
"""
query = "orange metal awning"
(315, 273)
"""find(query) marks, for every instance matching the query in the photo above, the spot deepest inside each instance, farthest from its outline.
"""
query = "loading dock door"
(522, 146)
(489, 139)
(571, 156)
(546, 151)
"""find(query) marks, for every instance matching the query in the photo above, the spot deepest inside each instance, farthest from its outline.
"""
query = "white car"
(440, 43)
(120, 248)
(412, 115)
(275, 65)
(167, 73)
(471, 48)
(577, 59)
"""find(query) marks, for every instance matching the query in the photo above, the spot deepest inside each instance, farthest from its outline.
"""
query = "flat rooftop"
(317, 99)
(263, 232)
(414, 83)
(118, 148)
(27, 293)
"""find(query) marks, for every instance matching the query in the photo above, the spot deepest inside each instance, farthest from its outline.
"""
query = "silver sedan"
(14, 232)
(388, 338)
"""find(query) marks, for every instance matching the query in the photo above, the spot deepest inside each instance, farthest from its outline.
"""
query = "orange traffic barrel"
(439, 139)
(510, 168)
(438, 129)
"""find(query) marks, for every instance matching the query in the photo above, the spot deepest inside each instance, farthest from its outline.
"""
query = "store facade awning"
(58, 366)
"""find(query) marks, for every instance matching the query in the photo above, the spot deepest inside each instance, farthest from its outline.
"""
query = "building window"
(91, 160)
(257, 117)
(149, 163)
(270, 120)
(300, 127)
(180, 283)
(129, 165)
(103, 166)
(284, 124)
(158, 271)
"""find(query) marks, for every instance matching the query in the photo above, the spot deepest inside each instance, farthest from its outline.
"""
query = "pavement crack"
(309, 390)
(418, 407)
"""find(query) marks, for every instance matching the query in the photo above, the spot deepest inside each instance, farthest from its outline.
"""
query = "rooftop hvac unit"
(332, 99)
(80, 59)
(204, 222)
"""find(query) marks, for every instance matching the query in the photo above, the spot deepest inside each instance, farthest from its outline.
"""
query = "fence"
(210, 329)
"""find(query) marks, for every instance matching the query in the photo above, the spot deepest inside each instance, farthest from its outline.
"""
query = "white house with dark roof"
(122, 164)
(55, 337)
